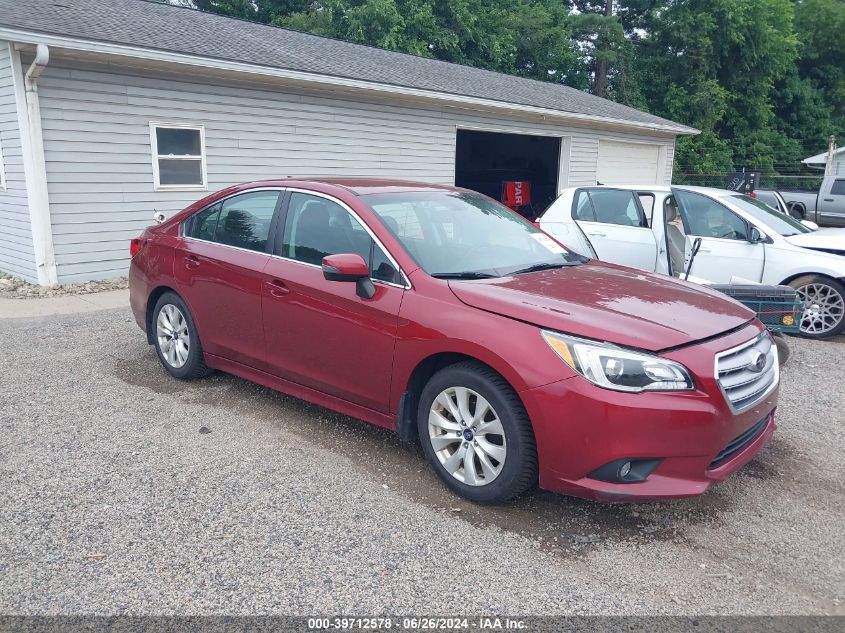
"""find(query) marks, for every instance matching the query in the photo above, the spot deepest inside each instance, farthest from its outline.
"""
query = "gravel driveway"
(115, 498)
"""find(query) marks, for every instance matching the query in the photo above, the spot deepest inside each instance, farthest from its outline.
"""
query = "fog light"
(788, 320)
(625, 471)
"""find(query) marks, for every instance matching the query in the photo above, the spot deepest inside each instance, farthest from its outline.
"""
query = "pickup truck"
(654, 228)
(825, 207)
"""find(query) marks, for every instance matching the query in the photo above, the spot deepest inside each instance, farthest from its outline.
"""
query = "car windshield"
(463, 234)
(772, 218)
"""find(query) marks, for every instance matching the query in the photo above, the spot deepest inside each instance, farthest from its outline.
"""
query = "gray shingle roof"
(151, 25)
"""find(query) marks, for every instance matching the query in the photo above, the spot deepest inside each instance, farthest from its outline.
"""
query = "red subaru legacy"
(439, 313)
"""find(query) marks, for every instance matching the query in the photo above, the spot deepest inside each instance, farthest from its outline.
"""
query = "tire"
(783, 348)
(183, 358)
(496, 480)
(824, 305)
(797, 210)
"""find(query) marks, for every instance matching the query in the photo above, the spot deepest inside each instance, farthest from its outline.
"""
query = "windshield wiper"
(538, 267)
(464, 275)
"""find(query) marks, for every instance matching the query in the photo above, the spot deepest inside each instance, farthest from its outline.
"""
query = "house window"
(178, 156)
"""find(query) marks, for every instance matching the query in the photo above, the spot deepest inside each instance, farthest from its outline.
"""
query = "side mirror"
(756, 236)
(810, 225)
(349, 267)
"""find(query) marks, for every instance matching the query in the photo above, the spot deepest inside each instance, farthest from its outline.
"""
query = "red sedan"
(439, 313)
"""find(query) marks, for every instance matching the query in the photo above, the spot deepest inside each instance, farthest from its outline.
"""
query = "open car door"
(727, 249)
(615, 225)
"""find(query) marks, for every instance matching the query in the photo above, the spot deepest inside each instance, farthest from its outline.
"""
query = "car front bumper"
(580, 427)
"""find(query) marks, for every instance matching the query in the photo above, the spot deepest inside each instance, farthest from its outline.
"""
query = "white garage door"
(628, 163)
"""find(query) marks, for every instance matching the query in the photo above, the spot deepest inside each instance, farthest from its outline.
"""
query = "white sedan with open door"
(654, 228)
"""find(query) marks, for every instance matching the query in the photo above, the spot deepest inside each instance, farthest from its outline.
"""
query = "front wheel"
(824, 305)
(476, 433)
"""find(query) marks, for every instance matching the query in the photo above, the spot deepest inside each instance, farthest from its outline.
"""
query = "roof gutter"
(35, 168)
(58, 41)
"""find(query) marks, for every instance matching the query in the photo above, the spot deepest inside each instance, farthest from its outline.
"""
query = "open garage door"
(485, 161)
(628, 163)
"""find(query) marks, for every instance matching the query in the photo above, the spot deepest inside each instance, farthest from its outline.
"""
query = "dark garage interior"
(484, 161)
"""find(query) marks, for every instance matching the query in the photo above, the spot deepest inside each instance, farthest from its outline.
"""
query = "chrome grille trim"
(742, 386)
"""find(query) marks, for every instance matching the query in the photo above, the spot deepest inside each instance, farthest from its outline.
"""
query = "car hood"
(611, 303)
(827, 239)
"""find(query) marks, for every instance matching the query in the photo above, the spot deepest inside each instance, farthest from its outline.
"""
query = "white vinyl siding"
(17, 256)
(630, 163)
(96, 128)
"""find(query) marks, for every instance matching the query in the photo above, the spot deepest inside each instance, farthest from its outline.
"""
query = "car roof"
(356, 186)
(708, 191)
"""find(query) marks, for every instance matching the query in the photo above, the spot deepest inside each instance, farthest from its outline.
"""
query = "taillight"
(135, 246)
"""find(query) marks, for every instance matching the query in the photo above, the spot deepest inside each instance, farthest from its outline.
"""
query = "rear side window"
(838, 188)
(609, 206)
(245, 220)
(242, 221)
(203, 223)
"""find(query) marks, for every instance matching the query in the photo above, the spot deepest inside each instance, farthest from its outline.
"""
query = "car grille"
(748, 373)
(739, 443)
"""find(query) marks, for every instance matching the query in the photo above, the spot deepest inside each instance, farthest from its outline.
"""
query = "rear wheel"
(175, 338)
(476, 433)
(824, 305)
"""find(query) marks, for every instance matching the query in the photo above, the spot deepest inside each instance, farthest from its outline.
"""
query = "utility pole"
(601, 64)
(831, 152)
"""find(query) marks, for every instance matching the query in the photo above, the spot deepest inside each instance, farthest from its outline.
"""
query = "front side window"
(705, 217)
(455, 233)
(242, 221)
(178, 156)
(316, 227)
(838, 188)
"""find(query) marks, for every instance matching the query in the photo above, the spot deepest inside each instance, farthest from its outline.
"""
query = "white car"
(654, 227)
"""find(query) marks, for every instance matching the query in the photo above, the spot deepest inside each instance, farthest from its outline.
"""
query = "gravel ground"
(15, 288)
(115, 500)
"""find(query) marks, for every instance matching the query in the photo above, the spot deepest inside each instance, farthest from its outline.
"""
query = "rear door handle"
(191, 261)
(277, 288)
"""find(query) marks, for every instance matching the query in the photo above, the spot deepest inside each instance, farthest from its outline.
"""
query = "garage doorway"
(484, 161)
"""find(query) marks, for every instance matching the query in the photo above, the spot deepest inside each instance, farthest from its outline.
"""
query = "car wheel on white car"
(476, 433)
(824, 305)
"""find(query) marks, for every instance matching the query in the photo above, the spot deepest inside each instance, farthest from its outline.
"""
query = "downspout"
(39, 201)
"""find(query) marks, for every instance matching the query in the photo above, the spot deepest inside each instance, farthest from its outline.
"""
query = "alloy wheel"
(467, 436)
(172, 334)
(824, 308)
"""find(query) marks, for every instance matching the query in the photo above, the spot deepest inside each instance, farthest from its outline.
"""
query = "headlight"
(615, 368)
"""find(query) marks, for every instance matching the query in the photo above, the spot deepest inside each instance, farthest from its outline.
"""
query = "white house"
(110, 111)
(819, 161)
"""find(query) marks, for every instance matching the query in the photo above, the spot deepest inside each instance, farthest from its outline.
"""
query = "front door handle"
(828, 199)
(597, 234)
(277, 288)
(191, 262)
